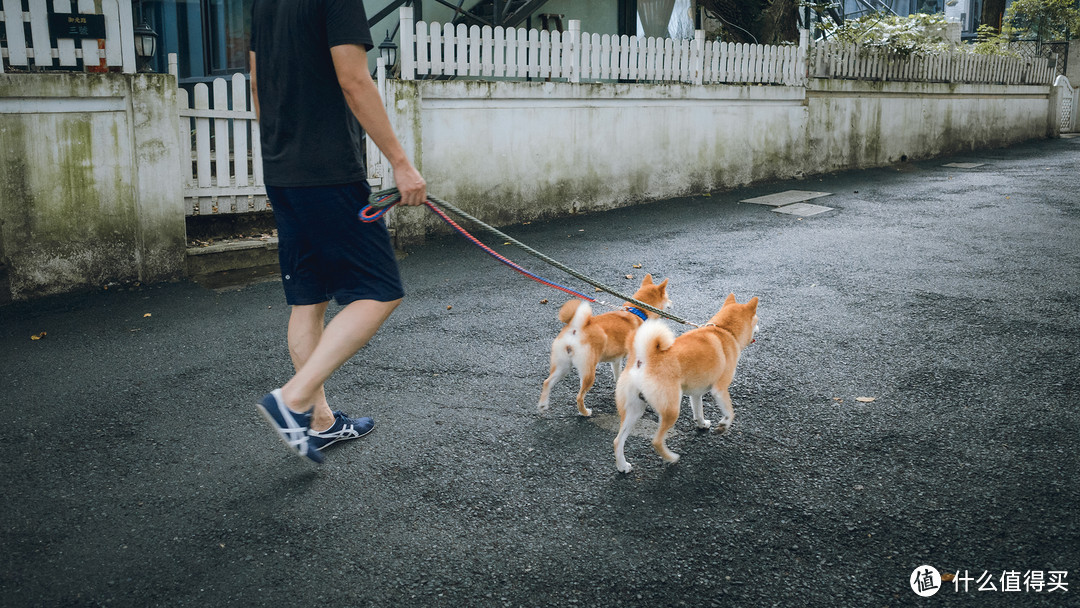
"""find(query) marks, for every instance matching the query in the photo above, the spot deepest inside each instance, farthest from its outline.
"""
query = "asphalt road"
(135, 471)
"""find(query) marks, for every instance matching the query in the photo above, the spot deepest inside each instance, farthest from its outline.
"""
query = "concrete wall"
(509, 152)
(90, 163)
(89, 182)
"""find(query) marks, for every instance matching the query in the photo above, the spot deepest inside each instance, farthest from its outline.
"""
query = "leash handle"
(379, 203)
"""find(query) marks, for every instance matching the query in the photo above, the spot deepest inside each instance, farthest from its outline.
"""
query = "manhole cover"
(802, 209)
(785, 198)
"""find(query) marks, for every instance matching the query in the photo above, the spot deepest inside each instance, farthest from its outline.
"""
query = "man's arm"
(350, 63)
(254, 89)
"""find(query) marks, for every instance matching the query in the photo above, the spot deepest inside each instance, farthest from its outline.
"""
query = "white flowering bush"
(919, 33)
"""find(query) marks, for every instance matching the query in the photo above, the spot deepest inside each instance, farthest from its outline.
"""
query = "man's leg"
(348, 332)
(306, 325)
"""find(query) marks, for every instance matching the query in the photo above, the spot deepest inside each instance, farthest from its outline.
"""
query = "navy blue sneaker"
(290, 426)
(344, 428)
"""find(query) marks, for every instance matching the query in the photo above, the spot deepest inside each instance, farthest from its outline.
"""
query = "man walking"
(309, 78)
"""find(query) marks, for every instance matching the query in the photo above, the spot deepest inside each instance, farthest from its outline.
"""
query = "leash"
(381, 202)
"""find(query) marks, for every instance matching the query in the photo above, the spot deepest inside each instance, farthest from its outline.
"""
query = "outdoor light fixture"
(145, 46)
(388, 51)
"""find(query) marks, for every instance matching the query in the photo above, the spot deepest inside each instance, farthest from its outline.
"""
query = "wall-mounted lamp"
(388, 51)
(145, 46)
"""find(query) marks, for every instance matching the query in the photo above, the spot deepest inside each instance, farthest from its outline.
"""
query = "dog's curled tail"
(652, 337)
(576, 313)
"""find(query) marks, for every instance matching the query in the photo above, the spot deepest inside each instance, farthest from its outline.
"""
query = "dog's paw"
(721, 427)
(704, 424)
(624, 467)
(672, 458)
(542, 407)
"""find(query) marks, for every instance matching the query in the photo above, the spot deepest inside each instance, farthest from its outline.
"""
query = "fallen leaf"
(506, 243)
(597, 289)
(544, 301)
(38, 336)
(947, 577)
(637, 265)
(147, 315)
(449, 307)
(838, 399)
(629, 276)
(865, 399)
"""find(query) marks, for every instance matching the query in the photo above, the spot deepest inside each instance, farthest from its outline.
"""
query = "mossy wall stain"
(67, 208)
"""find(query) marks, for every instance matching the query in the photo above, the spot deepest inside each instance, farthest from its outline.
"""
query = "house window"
(210, 37)
(230, 27)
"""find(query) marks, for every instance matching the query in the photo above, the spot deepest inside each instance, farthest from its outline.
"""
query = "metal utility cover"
(785, 198)
(964, 165)
(802, 209)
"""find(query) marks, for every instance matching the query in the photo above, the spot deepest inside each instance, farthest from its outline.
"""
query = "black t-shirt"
(308, 132)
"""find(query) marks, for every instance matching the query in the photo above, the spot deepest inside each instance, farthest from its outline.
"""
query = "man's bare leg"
(306, 325)
(316, 359)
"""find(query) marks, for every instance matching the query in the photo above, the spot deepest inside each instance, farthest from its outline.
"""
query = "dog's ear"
(730, 299)
(753, 303)
(647, 280)
(663, 284)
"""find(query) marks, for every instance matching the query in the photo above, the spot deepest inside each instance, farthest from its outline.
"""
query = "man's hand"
(410, 184)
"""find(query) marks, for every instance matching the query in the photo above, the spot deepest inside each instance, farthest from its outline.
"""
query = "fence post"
(573, 48)
(803, 60)
(16, 36)
(376, 168)
(408, 49)
(699, 57)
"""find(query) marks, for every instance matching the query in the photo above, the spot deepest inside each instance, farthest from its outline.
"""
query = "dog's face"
(653, 294)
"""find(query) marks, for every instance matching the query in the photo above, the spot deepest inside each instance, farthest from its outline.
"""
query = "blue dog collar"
(637, 312)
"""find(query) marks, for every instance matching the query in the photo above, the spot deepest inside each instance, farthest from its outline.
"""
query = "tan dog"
(587, 340)
(661, 368)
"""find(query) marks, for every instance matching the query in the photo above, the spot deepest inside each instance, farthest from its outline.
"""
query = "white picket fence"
(433, 50)
(831, 60)
(224, 169)
(116, 50)
(223, 172)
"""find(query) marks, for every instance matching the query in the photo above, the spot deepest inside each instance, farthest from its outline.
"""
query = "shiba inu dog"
(661, 367)
(587, 340)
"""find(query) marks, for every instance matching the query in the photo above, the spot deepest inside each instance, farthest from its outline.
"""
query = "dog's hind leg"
(616, 368)
(667, 407)
(559, 368)
(631, 407)
(588, 377)
(699, 412)
(723, 399)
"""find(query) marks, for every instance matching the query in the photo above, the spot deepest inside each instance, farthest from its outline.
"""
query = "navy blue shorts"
(326, 252)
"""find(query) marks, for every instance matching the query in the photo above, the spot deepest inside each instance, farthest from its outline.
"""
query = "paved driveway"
(136, 472)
